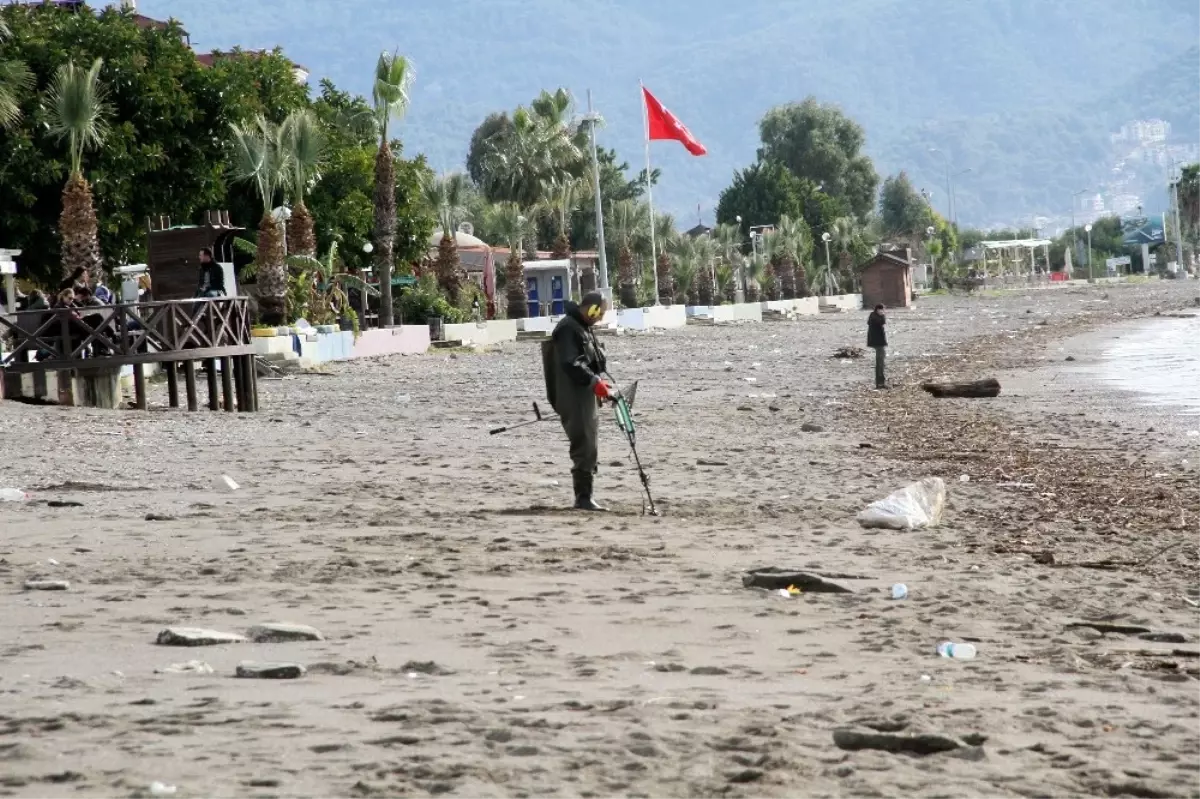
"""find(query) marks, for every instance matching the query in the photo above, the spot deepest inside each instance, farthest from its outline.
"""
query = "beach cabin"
(173, 254)
(887, 279)
(547, 286)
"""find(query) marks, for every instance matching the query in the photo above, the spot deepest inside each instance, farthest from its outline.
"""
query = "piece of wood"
(139, 386)
(227, 383)
(989, 387)
(214, 392)
(239, 382)
(252, 372)
(189, 380)
(172, 369)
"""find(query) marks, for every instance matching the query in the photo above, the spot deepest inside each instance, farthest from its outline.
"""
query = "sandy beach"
(477, 641)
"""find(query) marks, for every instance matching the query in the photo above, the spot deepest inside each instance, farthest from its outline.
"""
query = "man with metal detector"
(573, 366)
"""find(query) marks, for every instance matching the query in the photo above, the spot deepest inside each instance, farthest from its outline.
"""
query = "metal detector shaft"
(537, 412)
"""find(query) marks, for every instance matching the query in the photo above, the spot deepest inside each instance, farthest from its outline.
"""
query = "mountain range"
(1023, 93)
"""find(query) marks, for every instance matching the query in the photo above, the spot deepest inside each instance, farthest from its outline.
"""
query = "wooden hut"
(173, 253)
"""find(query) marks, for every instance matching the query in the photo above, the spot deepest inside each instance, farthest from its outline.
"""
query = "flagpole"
(649, 193)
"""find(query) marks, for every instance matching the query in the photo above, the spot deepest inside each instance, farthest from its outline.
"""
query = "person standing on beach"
(573, 366)
(877, 340)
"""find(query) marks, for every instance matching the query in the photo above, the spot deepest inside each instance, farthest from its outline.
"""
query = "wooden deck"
(175, 333)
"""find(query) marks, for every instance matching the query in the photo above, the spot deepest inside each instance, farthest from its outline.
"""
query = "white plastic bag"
(911, 508)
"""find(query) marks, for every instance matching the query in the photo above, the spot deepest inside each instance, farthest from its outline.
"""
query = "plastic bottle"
(12, 495)
(949, 649)
(899, 591)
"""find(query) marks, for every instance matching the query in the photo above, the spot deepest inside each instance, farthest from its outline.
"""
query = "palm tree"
(851, 241)
(523, 162)
(447, 197)
(665, 237)
(305, 141)
(629, 218)
(393, 78)
(15, 81)
(795, 244)
(78, 113)
(772, 253)
(726, 282)
(728, 238)
(756, 273)
(563, 200)
(507, 219)
(260, 157)
(706, 275)
(685, 257)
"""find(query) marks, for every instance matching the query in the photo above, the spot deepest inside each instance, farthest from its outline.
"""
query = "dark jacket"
(212, 278)
(876, 337)
(573, 359)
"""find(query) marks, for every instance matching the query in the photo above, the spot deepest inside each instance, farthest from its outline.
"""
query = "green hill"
(1025, 92)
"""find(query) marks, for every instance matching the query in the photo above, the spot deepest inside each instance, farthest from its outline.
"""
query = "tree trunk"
(301, 233)
(666, 281)
(770, 283)
(989, 387)
(385, 228)
(706, 289)
(80, 233)
(446, 269)
(561, 248)
(272, 272)
(628, 288)
(514, 289)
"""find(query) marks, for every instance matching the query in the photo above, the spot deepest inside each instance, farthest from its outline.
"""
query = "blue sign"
(1143, 230)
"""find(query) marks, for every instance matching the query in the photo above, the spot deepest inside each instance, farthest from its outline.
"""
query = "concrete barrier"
(740, 312)
(661, 317)
(846, 302)
(405, 340)
(483, 333)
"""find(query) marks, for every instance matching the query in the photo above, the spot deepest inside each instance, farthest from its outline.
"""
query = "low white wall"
(483, 333)
(741, 312)
(662, 317)
(808, 306)
(543, 324)
(847, 302)
(801, 305)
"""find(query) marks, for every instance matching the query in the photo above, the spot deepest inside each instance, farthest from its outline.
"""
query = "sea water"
(1160, 361)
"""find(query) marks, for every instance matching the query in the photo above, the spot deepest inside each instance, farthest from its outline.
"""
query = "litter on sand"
(913, 507)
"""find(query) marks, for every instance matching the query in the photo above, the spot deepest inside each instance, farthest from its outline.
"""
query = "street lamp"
(368, 248)
(1091, 271)
(739, 290)
(825, 237)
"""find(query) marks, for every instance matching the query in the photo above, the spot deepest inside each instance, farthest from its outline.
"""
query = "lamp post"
(1091, 271)
(825, 237)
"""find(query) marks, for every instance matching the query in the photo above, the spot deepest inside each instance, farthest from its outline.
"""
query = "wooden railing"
(147, 332)
(211, 330)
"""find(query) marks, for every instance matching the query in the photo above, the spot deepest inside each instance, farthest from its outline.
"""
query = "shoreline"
(478, 643)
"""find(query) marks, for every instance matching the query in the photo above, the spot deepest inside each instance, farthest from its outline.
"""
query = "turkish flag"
(662, 124)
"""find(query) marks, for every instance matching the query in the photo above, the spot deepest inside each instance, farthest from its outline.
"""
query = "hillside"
(976, 79)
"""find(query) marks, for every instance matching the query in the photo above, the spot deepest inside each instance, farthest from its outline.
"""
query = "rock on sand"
(196, 636)
(273, 632)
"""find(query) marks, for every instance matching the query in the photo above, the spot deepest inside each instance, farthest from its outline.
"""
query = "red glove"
(602, 390)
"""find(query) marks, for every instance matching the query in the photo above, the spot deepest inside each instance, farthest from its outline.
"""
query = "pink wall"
(405, 340)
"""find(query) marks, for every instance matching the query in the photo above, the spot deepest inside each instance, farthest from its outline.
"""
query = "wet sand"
(478, 642)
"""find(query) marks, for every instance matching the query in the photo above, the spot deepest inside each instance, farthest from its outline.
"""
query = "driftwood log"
(976, 388)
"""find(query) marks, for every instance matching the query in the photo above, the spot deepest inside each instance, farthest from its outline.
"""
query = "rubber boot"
(583, 492)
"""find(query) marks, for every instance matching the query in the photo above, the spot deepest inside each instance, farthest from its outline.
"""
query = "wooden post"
(252, 368)
(172, 383)
(214, 396)
(189, 380)
(239, 383)
(139, 386)
(227, 368)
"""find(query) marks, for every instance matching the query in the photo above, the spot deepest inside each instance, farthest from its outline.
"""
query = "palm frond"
(306, 142)
(391, 92)
(77, 111)
(15, 81)
(260, 157)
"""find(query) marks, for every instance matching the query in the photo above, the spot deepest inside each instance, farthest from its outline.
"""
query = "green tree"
(629, 222)
(665, 237)
(304, 139)
(496, 124)
(446, 197)
(260, 160)
(507, 219)
(760, 195)
(166, 147)
(15, 82)
(903, 212)
(393, 77)
(79, 114)
(819, 143)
